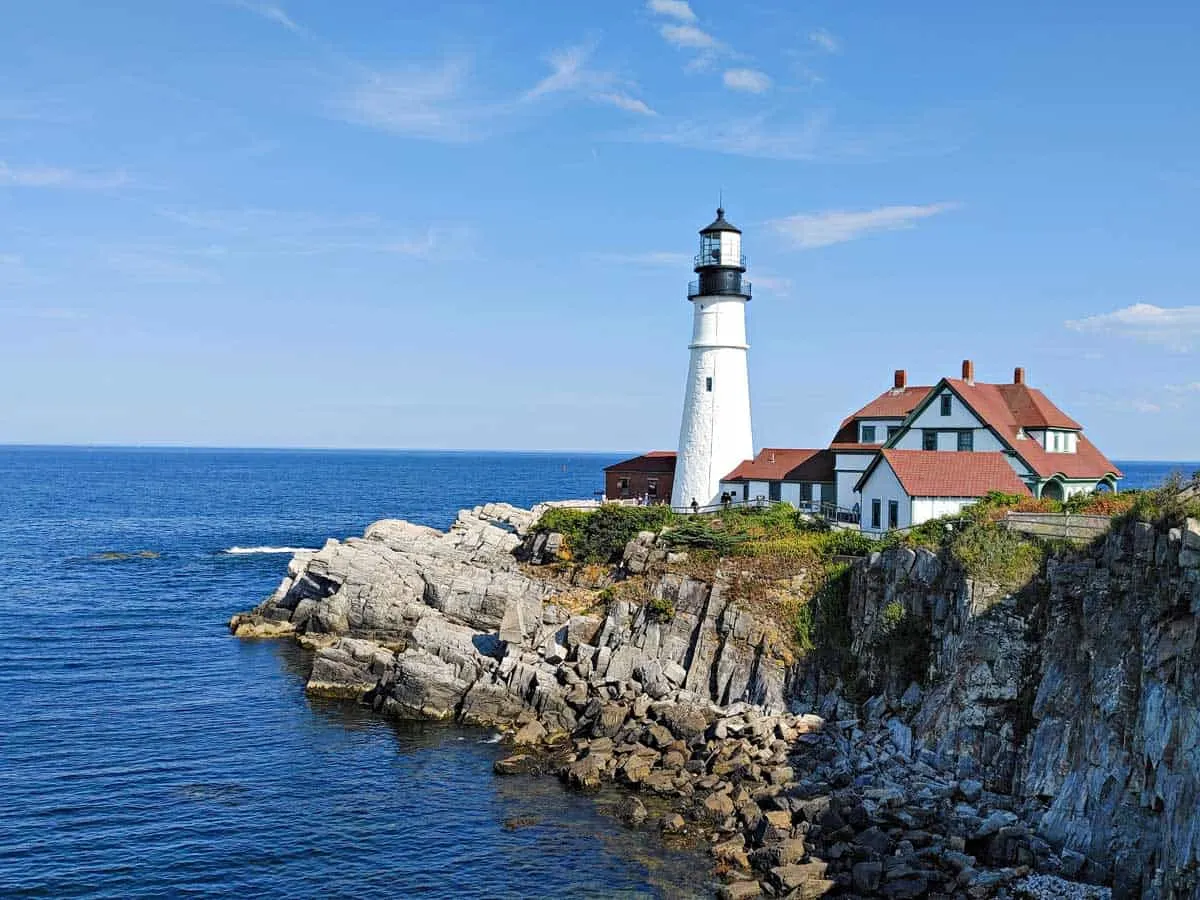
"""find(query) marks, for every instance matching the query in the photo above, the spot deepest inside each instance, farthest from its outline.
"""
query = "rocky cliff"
(969, 736)
(1076, 694)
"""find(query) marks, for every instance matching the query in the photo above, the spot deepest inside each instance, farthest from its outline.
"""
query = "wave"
(494, 739)
(242, 551)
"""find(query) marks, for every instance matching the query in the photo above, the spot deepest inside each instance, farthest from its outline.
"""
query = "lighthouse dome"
(719, 224)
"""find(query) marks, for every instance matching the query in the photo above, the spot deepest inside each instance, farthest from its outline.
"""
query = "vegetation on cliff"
(784, 563)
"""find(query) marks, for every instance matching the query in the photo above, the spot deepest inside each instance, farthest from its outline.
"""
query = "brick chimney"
(1019, 375)
(901, 381)
(968, 371)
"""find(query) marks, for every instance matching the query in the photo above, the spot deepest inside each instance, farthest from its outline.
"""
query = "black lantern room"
(720, 262)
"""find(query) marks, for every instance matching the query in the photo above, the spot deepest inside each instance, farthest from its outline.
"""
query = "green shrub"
(893, 616)
(599, 536)
(994, 554)
(660, 609)
(697, 533)
(1166, 505)
(844, 542)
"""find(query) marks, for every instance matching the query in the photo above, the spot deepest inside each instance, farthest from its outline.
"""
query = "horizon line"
(31, 445)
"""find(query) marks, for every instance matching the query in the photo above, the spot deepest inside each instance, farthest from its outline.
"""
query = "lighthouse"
(714, 436)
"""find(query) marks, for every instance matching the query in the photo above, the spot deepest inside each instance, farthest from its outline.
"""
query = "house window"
(775, 490)
(928, 440)
(623, 483)
(876, 511)
(708, 383)
(945, 404)
(893, 514)
(868, 434)
(806, 492)
(652, 487)
(893, 430)
(966, 441)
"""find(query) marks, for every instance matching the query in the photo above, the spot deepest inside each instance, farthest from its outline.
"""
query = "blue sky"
(469, 224)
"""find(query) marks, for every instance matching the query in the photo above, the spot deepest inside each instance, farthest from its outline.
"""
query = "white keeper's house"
(910, 455)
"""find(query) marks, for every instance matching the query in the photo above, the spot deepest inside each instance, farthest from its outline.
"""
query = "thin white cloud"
(809, 230)
(683, 33)
(1192, 387)
(625, 102)
(570, 73)
(54, 177)
(750, 80)
(423, 103)
(272, 12)
(567, 72)
(1175, 328)
(688, 36)
(675, 9)
(825, 40)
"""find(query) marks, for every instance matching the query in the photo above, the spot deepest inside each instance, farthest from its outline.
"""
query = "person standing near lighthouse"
(715, 436)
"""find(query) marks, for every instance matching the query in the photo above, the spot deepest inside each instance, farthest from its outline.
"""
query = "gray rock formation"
(1054, 729)
(1079, 694)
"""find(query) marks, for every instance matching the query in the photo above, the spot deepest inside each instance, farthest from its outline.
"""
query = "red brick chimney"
(968, 371)
(1019, 375)
(901, 381)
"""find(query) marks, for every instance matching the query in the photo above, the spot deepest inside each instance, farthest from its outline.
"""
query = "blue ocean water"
(1149, 474)
(145, 752)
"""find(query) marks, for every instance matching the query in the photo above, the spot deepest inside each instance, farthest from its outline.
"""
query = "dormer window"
(868, 434)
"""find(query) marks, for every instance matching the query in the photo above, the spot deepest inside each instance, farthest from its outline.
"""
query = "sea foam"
(241, 551)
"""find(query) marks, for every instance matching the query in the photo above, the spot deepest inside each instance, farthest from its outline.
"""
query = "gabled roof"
(654, 461)
(945, 473)
(1007, 409)
(777, 463)
(895, 403)
(1012, 404)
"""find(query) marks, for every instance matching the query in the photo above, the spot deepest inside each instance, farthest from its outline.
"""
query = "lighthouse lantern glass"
(710, 249)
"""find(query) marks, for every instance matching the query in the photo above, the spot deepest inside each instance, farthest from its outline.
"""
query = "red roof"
(1086, 462)
(933, 473)
(895, 403)
(775, 463)
(1009, 408)
(654, 461)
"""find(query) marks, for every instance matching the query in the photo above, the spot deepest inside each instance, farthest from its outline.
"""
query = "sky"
(377, 223)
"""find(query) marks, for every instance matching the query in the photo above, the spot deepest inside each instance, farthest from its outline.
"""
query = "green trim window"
(946, 404)
(892, 431)
(929, 439)
(876, 513)
(868, 434)
(966, 441)
(893, 514)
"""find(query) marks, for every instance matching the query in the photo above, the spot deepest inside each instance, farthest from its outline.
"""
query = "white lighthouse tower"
(714, 436)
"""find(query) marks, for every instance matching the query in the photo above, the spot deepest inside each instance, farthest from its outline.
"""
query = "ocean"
(145, 752)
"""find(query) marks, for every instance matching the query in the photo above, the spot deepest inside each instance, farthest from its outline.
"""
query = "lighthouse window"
(708, 383)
